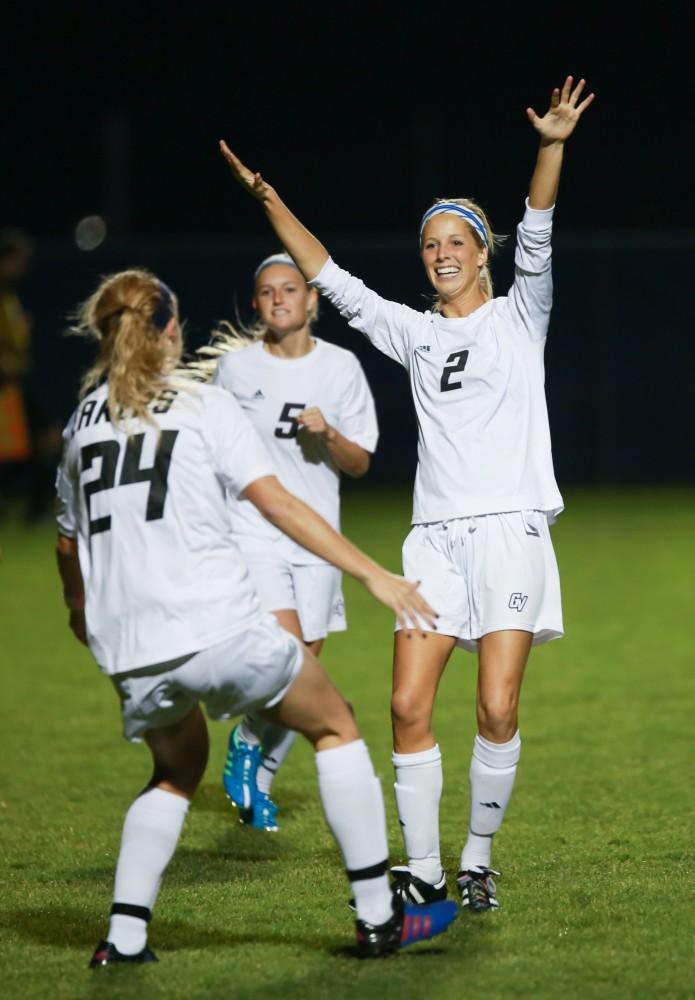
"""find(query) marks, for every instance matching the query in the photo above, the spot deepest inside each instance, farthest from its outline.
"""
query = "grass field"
(597, 849)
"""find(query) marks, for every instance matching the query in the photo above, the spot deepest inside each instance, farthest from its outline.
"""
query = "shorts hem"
(327, 630)
(540, 635)
(296, 670)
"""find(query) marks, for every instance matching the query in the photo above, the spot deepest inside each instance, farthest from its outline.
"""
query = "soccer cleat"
(264, 814)
(239, 778)
(407, 925)
(108, 954)
(478, 890)
(415, 891)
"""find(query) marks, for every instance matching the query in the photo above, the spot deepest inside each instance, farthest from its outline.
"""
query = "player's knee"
(407, 710)
(497, 716)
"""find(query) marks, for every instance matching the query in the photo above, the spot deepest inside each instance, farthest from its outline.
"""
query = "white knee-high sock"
(354, 809)
(276, 743)
(418, 791)
(150, 834)
(492, 773)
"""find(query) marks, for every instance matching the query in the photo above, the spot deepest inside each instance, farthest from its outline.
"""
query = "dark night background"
(360, 115)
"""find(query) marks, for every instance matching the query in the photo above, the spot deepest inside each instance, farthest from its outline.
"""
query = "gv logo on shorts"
(517, 601)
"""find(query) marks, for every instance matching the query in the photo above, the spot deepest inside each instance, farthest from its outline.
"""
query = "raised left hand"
(560, 120)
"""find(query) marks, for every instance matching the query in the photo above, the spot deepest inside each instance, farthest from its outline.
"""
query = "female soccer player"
(310, 402)
(159, 591)
(484, 490)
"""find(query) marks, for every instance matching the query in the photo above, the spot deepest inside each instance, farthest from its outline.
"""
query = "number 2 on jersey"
(455, 363)
(288, 417)
(157, 475)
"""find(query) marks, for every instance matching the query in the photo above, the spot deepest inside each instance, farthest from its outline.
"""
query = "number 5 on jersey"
(290, 418)
(109, 453)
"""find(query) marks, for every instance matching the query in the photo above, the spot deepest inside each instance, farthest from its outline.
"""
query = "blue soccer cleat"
(264, 813)
(239, 778)
(408, 925)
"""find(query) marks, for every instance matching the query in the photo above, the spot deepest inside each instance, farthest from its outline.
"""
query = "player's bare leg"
(419, 662)
(179, 754)
(150, 834)
(496, 749)
(502, 661)
(314, 707)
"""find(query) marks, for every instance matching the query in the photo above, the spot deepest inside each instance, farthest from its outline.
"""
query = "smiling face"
(452, 257)
(283, 300)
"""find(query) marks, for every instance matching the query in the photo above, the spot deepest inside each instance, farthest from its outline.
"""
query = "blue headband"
(454, 209)
(165, 309)
(276, 258)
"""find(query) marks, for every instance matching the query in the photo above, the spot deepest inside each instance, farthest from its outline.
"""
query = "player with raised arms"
(159, 591)
(310, 402)
(485, 490)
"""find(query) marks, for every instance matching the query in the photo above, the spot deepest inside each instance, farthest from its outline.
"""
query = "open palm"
(559, 121)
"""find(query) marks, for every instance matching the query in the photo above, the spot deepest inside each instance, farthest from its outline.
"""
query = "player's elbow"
(269, 497)
(360, 465)
(66, 546)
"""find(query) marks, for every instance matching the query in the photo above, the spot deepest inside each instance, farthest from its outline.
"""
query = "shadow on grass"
(74, 929)
(240, 854)
(350, 952)
(211, 798)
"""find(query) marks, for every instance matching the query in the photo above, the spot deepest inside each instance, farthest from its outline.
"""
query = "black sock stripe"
(374, 871)
(129, 910)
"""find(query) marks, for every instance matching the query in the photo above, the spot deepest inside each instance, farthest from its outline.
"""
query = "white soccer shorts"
(314, 591)
(252, 670)
(487, 574)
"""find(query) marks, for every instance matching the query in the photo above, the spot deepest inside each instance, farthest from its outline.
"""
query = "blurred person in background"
(310, 402)
(29, 438)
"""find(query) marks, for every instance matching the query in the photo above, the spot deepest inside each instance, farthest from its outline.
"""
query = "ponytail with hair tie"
(126, 314)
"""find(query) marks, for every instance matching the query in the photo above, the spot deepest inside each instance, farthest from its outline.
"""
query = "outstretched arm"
(555, 127)
(307, 252)
(311, 531)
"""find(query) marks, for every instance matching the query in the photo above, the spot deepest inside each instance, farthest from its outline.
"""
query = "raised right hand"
(250, 181)
(403, 597)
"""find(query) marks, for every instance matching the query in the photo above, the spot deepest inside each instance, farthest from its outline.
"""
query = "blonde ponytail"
(127, 315)
(201, 367)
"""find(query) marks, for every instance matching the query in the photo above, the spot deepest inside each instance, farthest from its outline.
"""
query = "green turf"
(597, 849)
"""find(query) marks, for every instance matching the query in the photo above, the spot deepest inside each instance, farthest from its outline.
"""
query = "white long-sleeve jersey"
(162, 574)
(272, 391)
(478, 385)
